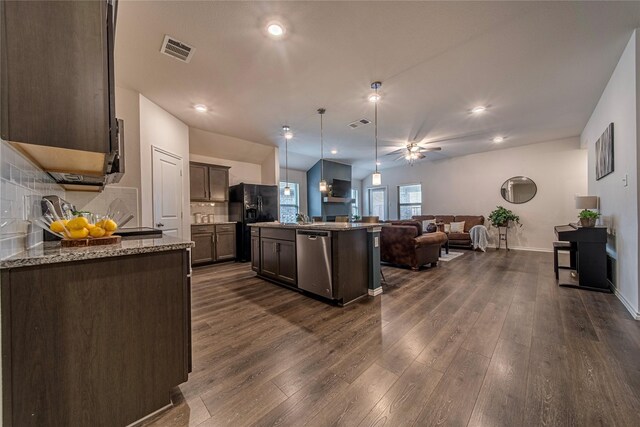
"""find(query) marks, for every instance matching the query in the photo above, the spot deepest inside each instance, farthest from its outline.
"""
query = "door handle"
(159, 224)
(312, 237)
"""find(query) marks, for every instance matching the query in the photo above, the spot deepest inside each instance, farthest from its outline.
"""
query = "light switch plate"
(625, 180)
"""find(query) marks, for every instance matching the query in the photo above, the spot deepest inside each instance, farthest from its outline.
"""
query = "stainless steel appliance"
(315, 272)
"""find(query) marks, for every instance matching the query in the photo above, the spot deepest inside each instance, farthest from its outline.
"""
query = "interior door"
(167, 192)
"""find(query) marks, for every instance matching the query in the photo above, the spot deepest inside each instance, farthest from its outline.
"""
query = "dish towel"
(479, 237)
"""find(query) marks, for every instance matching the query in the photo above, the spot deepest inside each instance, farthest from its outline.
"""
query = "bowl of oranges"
(81, 228)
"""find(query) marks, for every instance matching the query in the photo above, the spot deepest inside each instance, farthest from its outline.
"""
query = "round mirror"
(518, 189)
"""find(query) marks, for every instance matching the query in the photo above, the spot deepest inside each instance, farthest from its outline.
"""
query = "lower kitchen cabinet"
(255, 249)
(203, 251)
(98, 342)
(278, 260)
(213, 242)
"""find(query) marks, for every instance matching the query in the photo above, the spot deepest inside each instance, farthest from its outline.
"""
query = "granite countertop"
(329, 226)
(214, 223)
(52, 252)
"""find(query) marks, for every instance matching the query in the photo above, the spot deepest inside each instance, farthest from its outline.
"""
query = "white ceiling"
(539, 66)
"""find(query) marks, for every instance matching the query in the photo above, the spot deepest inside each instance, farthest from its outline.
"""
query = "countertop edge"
(83, 254)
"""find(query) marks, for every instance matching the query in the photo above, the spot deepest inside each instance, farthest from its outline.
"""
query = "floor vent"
(177, 49)
(358, 123)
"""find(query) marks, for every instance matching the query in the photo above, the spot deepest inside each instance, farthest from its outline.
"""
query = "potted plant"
(588, 218)
(502, 217)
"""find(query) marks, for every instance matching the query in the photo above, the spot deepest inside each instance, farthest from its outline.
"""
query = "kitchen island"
(339, 262)
(95, 335)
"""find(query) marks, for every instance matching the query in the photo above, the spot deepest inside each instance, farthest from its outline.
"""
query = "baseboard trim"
(627, 304)
(523, 248)
(375, 292)
(151, 415)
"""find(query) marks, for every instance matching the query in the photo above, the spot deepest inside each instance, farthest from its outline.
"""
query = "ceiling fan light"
(376, 178)
(323, 186)
(414, 148)
(408, 156)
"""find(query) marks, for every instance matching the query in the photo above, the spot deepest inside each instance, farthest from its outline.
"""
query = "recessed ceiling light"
(479, 109)
(374, 97)
(276, 30)
(498, 139)
(201, 108)
(334, 151)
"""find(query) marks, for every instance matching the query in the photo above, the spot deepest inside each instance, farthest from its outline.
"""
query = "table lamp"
(587, 202)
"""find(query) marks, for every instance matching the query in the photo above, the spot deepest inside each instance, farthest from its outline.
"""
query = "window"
(289, 204)
(378, 203)
(409, 200)
(355, 205)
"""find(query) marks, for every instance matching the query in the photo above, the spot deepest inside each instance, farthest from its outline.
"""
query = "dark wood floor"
(485, 339)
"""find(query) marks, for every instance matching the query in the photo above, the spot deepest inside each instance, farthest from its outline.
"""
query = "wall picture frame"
(604, 153)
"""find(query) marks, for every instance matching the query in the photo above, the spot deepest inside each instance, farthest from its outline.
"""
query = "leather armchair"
(402, 243)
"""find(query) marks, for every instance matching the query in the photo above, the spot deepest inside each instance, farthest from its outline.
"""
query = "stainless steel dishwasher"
(313, 249)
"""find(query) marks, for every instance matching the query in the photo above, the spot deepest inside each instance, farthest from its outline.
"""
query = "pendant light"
(376, 178)
(286, 131)
(323, 183)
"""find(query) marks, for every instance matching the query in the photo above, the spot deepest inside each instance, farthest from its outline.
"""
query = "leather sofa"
(456, 239)
(402, 243)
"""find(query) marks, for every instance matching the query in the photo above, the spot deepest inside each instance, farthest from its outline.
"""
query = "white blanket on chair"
(479, 237)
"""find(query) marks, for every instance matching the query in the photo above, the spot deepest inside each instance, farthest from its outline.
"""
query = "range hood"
(77, 170)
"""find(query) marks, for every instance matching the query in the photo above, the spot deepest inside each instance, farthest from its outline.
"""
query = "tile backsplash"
(21, 183)
(219, 210)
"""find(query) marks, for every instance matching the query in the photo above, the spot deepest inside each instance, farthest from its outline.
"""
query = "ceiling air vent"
(359, 123)
(177, 49)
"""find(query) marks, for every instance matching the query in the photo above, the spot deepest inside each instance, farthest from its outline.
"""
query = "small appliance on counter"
(134, 233)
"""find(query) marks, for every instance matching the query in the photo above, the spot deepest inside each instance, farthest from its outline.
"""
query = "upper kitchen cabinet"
(209, 183)
(58, 84)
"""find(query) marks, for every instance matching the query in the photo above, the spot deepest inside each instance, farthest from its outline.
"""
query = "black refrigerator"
(250, 203)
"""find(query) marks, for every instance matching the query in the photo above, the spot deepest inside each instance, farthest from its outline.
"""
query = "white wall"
(300, 178)
(271, 168)
(160, 129)
(470, 185)
(619, 203)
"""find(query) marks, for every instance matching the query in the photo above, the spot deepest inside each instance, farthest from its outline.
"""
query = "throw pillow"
(447, 228)
(431, 228)
(426, 222)
(457, 227)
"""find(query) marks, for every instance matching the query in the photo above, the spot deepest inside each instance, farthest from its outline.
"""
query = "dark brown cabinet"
(199, 182)
(94, 342)
(214, 242)
(209, 183)
(57, 66)
(278, 260)
(203, 251)
(255, 250)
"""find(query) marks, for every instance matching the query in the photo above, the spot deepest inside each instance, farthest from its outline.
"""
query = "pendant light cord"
(321, 111)
(286, 159)
(376, 127)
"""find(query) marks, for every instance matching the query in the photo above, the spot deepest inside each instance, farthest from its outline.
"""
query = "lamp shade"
(587, 202)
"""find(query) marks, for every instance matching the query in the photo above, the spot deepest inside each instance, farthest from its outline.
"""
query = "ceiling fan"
(412, 152)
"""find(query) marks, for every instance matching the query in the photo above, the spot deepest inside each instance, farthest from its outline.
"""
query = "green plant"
(501, 217)
(587, 214)
(355, 218)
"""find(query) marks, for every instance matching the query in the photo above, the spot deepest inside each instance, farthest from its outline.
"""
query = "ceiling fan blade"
(426, 150)
(421, 156)
(398, 151)
(399, 158)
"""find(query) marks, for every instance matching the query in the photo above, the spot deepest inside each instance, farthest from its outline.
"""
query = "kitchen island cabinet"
(94, 336)
(334, 261)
